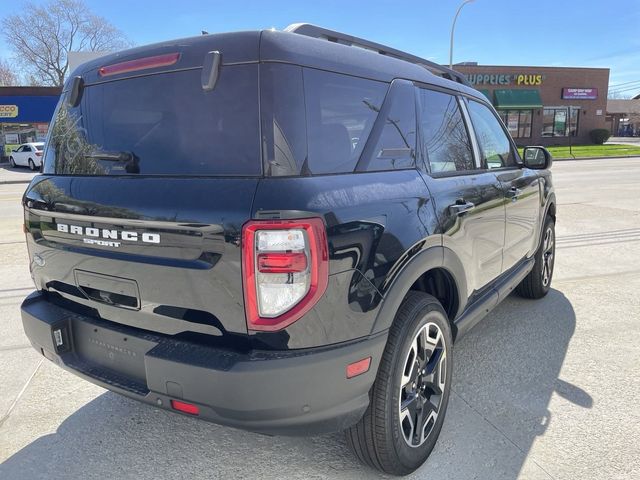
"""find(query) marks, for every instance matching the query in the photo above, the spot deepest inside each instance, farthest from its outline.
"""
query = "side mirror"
(537, 158)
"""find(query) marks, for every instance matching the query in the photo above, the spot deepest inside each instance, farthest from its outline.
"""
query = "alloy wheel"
(422, 384)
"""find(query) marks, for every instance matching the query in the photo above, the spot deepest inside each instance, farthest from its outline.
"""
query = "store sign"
(8, 111)
(504, 79)
(579, 93)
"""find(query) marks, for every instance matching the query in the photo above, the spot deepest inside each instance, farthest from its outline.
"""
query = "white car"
(27, 155)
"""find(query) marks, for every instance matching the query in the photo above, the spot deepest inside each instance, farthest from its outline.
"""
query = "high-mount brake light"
(145, 63)
(285, 266)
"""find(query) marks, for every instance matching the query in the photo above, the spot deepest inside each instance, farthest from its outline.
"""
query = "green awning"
(517, 98)
(485, 92)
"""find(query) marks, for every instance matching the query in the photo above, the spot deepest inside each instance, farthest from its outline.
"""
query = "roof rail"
(314, 31)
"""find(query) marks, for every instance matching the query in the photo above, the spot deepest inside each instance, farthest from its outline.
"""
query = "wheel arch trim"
(429, 259)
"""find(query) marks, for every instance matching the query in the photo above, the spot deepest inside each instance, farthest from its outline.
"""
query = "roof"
(284, 47)
(623, 106)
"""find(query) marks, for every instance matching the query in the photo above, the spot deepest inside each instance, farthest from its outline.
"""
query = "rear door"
(520, 186)
(468, 199)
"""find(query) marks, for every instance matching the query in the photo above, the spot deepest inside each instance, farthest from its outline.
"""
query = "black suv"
(281, 232)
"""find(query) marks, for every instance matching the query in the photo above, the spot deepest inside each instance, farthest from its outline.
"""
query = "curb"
(594, 158)
(13, 182)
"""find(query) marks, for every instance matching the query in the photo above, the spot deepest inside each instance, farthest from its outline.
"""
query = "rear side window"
(284, 129)
(493, 141)
(341, 111)
(445, 139)
(161, 124)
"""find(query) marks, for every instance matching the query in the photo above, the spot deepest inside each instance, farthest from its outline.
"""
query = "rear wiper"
(112, 156)
(130, 160)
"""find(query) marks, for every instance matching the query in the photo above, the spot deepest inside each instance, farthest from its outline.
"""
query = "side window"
(494, 144)
(26, 148)
(341, 111)
(284, 131)
(395, 147)
(445, 139)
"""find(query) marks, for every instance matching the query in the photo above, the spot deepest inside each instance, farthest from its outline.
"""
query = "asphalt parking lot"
(542, 389)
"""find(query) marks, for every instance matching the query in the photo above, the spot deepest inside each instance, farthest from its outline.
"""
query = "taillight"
(38, 154)
(285, 267)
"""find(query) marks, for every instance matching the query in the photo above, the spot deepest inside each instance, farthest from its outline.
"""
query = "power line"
(626, 89)
(634, 84)
(625, 83)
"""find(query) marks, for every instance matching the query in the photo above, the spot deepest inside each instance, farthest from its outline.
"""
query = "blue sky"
(493, 32)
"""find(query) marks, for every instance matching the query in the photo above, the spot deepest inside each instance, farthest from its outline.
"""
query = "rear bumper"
(298, 392)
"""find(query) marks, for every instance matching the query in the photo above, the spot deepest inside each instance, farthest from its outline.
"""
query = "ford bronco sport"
(281, 232)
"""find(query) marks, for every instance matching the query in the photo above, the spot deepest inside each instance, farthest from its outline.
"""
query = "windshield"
(162, 124)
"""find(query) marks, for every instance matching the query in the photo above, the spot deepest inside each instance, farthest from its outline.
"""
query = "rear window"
(162, 124)
(39, 147)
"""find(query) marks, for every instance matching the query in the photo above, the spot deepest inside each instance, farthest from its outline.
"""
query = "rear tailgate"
(162, 254)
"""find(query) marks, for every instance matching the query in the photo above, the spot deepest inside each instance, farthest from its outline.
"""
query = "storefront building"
(25, 113)
(623, 117)
(544, 105)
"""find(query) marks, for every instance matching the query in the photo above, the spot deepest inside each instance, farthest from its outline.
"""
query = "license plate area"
(107, 289)
(111, 350)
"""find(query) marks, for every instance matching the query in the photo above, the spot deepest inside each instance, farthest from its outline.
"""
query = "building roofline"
(30, 90)
(458, 65)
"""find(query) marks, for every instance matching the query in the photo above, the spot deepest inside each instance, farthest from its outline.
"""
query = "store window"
(560, 122)
(14, 134)
(518, 122)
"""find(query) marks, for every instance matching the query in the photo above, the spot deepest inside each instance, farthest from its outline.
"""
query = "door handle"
(461, 207)
(514, 193)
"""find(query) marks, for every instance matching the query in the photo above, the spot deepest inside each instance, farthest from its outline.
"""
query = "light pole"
(453, 27)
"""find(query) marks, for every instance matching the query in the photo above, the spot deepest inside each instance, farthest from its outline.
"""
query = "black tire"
(32, 166)
(12, 162)
(379, 439)
(538, 282)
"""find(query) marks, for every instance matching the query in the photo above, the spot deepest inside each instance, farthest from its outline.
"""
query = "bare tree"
(43, 36)
(8, 76)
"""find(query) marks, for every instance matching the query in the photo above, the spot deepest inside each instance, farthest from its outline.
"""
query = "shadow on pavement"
(505, 373)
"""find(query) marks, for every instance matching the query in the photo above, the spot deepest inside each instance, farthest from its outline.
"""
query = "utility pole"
(453, 27)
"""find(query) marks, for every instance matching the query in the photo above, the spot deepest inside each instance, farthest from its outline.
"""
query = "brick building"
(544, 105)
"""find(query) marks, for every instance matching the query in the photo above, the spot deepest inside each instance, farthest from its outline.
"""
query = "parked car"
(289, 243)
(27, 155)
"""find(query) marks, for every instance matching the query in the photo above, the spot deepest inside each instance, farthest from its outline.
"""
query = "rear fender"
(433, 257)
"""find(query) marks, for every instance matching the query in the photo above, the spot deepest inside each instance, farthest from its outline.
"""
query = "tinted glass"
(163, 124)
(39, 147)
(341, 111)
(395, 146)
(284, 129)
(494, 144)
(26, 148)
(446, 143)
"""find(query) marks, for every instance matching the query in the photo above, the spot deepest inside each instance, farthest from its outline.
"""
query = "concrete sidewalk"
(10, 175)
